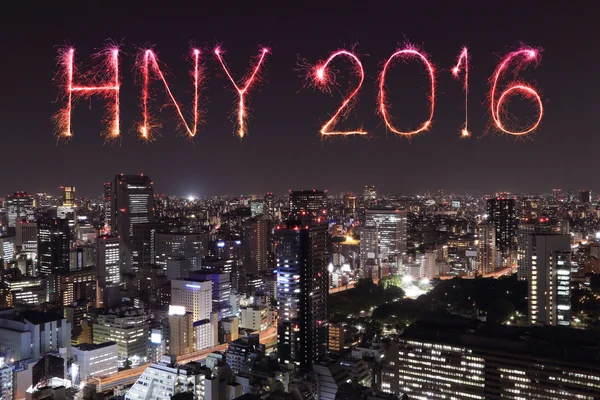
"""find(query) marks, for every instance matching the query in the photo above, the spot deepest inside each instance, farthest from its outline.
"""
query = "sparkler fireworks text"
(104, 80)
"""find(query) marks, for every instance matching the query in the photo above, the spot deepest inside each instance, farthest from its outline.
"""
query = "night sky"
(283, 149)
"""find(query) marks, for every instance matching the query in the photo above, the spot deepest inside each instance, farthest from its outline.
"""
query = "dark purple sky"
(283, 149)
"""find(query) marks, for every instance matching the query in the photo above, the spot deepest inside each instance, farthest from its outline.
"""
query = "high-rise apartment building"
(549, 279)
(487, 254)
(503, 214)
(185, 247)
(255, 243)
(132, 203)
(302, 291)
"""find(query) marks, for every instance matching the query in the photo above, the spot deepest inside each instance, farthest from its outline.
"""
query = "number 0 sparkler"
(104, 82)
(148, 63)
(522, 57)
(251, 78)
(406, 53)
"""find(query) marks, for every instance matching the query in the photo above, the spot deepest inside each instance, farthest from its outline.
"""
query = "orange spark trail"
(523, 56)
(109, 70)
(408, 52)
(252, 77)
(147, 128)
(463, 58)
(323, 78)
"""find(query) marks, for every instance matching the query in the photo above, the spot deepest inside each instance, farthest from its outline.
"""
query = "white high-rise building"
(549, 279)
(195, 296)
(383, 238)
(108, 260)
(6, 381)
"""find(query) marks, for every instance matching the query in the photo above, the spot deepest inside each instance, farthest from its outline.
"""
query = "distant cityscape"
(305, 295)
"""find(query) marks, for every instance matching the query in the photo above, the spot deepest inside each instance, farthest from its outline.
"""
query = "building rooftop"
(91, 347)
(548, 342)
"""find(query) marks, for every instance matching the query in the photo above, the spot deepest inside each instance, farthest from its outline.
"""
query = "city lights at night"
(283, 201)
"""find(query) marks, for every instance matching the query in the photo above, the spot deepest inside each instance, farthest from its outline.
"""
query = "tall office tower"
(370, 194)
(549, 278)
(269, 201)
(108, 255)
(26, 237)
(181, 332)
(302, 291)
(68, 197)
(384, 238)
(487, 254)
(107, 207)
(307, 204)
(132, 203)
(19, 205)
(54, 239)
(141, 246)
(255, 246)
(185, 247)
(502, 213)
(585, 196)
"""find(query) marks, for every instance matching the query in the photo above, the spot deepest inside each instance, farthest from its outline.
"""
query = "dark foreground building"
(462, 360)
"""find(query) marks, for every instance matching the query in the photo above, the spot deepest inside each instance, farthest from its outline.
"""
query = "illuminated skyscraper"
(269, 206)
(19, 205)
(502, 213)
(54, 240)
(132, 202)
(302, 291)
(383, 238)
(549, 279)
(107, 207)
(68, 199)
(108, 253)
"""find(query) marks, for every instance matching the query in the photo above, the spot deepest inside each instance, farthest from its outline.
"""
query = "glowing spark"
(251, 78)
(527, 55)
(146, 128)
(408, 52)
(323, 80)
(109, 83)
(463, 58)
